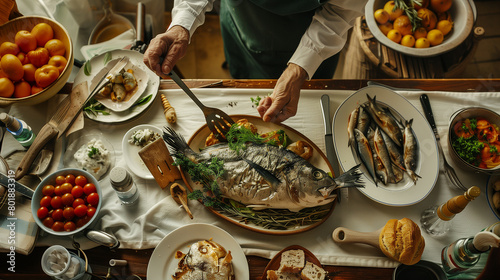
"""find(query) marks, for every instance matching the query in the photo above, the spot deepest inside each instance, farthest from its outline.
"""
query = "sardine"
(410, 151)
(364, 120)
(129, 81)
(380, 170)
(264, 176)
(394, 151)
(385, 121)
(383, 155)
(365, 153)
(352, 121)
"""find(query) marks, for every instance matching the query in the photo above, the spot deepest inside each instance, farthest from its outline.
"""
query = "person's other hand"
(283, 102)
(166, 49)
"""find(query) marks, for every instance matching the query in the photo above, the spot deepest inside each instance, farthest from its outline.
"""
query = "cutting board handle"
(8, 11)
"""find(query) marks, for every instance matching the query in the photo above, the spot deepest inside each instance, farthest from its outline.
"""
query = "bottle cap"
(10, 123)
(484, 240)
(119, 177)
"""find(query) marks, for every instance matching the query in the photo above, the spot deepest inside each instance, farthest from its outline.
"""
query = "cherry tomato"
(81, 180)
(70, 178)
(93, 199)
(57, 215)
(48, 222)
(81, 210)
(69, 226)
(67, 199)
(56, 202)
(48, 190)
(77, 202)
(68, 213)
(89, 188)
(45, 201)
(58, 226)
(60, 180)
(77, 191)
(58, 190)
(66, 188)
(81, 222)
(91, 211)
(42, 213)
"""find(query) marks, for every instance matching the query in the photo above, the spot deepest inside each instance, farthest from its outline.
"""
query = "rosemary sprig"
(410, 11)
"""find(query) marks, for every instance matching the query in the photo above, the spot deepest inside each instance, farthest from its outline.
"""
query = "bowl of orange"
(36, 59)
(432, 28)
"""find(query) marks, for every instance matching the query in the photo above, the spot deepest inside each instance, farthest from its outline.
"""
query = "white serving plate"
(131, 152)
(405, 192)
(162, 264)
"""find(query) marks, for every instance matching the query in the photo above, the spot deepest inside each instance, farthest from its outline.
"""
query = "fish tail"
(175, 141)
(351, 178)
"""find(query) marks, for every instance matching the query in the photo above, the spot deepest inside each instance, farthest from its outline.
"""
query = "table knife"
(64, 116)
(330, 151)
(22, 189)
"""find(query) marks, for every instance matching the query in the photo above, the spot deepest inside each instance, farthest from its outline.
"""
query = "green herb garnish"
(93, 151)
(94, 107)
(142, 101)
(468, 149)
(255, 101)
(107, 57)
(87, 68)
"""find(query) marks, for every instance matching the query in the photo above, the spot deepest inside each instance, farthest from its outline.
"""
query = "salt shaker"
(122, 183)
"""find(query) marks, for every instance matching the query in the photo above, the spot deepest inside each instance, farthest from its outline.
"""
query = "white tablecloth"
(156, 214)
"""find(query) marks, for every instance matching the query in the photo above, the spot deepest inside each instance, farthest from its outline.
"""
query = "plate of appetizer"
(294, 261)
(261, 186)
(136, 100)
(376, 127)
(201, 243)
(133, 141)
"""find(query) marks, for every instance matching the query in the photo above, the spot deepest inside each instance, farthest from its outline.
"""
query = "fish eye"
(317, 175)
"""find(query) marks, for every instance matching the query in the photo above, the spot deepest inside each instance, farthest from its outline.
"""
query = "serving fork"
(217, 121)
(448, 169)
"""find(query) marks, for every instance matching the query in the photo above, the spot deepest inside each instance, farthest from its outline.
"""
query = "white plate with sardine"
(378, 127)
(163, 262)
(276, 190)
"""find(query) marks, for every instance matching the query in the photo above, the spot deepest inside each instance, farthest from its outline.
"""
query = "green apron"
(261, 36)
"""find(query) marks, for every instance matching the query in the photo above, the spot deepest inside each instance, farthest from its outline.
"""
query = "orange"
(444, 26)
(441, 6)
(22, 89)
(381, 16)
(55, 47)
(385, 28)
(443, 16)
(422, 43)
(420, 33)
(428, 17)
(43, 33)
(394, 36)
(8, 47)
(435, 37)
(2, 74)
(403, 25)
(408, 41)
(25, 41)
(23, 58)
(6, 87)
(29, 72)
(59, 62)
(12, 67)
(390, 9)
(35, 89)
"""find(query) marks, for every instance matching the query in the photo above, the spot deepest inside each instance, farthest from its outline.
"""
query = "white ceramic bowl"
(50, 179)
(463, 21)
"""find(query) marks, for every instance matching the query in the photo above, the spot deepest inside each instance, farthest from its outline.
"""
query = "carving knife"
(22, 189)
(64, 116)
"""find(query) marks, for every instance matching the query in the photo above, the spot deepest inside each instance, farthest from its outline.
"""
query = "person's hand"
(283, 102)
(165, 50)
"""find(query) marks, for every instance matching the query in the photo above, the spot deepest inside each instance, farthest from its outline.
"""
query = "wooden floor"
(205, 55)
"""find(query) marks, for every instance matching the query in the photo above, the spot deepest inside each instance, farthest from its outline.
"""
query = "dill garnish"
(93, 151)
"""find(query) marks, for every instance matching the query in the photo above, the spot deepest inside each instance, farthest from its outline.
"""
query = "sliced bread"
(292, 261)
(312, 272)
(277, 275)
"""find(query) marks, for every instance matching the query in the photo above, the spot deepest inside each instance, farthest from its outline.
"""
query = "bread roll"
(402, 241)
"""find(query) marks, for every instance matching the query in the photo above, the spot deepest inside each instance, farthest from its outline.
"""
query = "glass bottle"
(122, 183)
(464, 253)
(19, 129)
(437, 219)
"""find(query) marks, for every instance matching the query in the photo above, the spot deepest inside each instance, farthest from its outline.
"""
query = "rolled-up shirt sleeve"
(327, 33)
(190, 14)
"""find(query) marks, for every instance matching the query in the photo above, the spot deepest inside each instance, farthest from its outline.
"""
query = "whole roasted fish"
(266, 176)
(352, 122)
(385, 121)
(365, 153)
(410, 151)
(364, 120)
(383, 154)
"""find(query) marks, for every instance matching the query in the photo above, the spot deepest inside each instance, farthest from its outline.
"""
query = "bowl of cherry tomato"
(474, 141)
(66, 202)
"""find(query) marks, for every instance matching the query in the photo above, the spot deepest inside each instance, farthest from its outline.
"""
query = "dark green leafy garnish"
(87, 68)
(142, 101)
(93, 151)
(94, 107)
(107, 57)
(468, 149)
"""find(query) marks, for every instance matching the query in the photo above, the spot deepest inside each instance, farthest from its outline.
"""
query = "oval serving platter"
(318, 159)
(405, 192)
(274, 263)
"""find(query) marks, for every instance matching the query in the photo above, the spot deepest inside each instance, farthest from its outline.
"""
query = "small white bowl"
(463, 21)
(131, 152)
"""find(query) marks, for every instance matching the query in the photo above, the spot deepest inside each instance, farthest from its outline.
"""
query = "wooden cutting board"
(159, 162)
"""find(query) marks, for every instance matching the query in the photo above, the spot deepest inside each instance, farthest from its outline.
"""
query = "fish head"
(312, 187)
